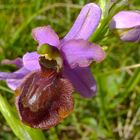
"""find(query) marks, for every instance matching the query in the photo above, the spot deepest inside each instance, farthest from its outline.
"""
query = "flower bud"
(127, 25)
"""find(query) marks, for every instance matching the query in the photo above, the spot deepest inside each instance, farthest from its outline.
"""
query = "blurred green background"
(114, 114)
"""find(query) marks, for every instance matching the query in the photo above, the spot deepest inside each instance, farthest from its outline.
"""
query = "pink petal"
(14, 81)
(86, 23)
(81, 53)
(30, 61)
(82, 80)
(45, 35)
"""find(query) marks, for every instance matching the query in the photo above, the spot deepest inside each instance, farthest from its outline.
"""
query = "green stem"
(104, 7)
(104, 24)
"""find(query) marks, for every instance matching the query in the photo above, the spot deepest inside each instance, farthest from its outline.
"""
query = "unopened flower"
(46, 79)
(127, 24)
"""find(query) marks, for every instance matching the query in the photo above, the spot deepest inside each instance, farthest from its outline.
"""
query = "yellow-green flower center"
(50, 53)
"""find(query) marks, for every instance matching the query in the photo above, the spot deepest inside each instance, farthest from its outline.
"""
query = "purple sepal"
(14, 79)
(86, 23)
(18, 62)
(82, 80)
(15, 75)
(81, 53)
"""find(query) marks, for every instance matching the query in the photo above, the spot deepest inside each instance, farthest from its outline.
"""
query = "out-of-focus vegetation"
(114, 114)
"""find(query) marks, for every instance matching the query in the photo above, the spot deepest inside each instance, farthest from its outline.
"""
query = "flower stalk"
(104, 24)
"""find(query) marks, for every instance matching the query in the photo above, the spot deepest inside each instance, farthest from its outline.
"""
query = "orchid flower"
(127, 23)
(70, 57)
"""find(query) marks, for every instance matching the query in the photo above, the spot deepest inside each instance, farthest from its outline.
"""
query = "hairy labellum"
(44, 99)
